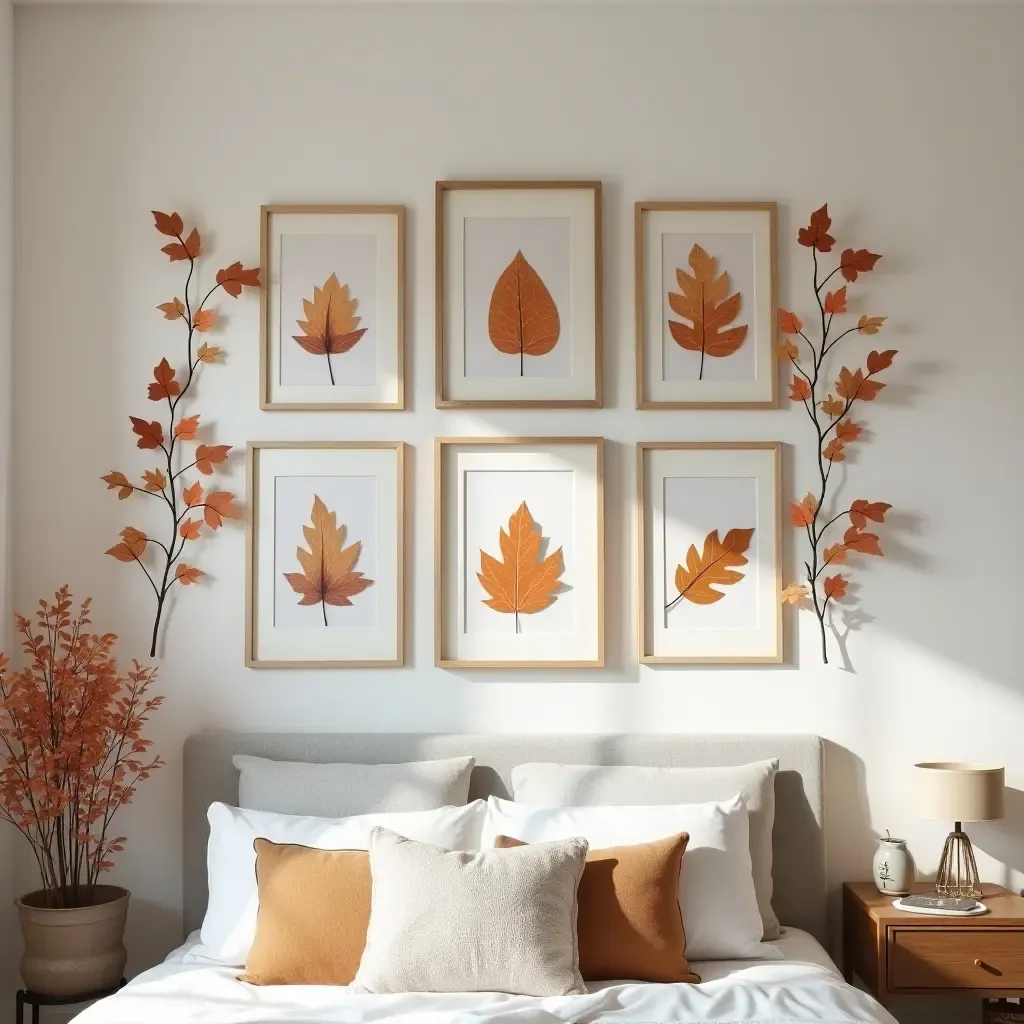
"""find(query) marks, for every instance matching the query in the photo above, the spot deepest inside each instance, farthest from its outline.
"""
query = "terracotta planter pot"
(80, 949)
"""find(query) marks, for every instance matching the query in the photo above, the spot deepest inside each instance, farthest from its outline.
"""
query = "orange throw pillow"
(629, 925)
(314, 911)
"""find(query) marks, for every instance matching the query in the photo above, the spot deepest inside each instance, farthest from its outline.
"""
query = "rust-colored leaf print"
(520, 584)
(835, 587)
(522, 319)
(715, 566)
(327, 576)
(703, 299)
(331, 326)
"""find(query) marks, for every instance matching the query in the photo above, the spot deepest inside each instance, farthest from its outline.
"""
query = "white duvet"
(803, 986)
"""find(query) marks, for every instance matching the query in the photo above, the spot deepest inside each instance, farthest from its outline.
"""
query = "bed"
(803, 986)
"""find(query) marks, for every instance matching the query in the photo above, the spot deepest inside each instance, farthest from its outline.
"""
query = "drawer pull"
(978, 963)
(987, 967)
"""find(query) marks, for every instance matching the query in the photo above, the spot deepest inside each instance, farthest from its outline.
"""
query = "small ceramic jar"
(893, 867)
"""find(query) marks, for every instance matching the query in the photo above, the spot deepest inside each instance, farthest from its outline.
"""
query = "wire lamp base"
(958, 872)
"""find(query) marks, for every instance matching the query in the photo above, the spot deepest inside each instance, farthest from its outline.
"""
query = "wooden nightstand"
(895, 953)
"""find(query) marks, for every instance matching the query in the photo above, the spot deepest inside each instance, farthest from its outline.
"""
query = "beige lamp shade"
(953, 791)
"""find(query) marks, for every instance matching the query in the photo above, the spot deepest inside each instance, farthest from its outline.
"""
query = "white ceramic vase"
(893, 867)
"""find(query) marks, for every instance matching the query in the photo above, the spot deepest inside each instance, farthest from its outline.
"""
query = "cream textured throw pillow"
(460, 921)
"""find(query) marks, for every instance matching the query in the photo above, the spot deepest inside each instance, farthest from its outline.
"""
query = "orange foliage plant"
(71, 746)
(828, 404)
(184, 501)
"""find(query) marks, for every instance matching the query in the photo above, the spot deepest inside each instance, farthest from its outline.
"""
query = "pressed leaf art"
(703, 299)
(715, 566)
(522, 319)
(327, 576)
(828, 402)
(331, 326)
(522, 583)
(172, 384)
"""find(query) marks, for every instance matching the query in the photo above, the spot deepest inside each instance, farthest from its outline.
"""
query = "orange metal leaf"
(172, 310)
(187, 574)
(860, 261)
(186, 427)
(835, 554)
(234, 278)
(835, 302)
(834, 451)
(861, 511)
(799, 390)
(816, 235)
(847, 430)
(164, 384)
(168, 223)
(870, 324)
(879, 361)
(802, 513)
(193, 494)
(835, 587)
(794, 593)
(204, 320)
(865, 543)
(210, 455)
(208, 353)
(789, 323)
(832, 407)
(154, 480)
(119, 482)
(219, 506)
(189, 529)
(150, 432)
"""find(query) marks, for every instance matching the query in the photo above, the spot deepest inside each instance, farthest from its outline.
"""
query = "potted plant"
(71, 753)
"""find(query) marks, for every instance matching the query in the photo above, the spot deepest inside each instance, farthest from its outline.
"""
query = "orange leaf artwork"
(331, 326)
(210, 455)
(865, 543)
(220, 506)
(829, 413)
(832, 407)
(119, 482)
(164, 385)
(861, 511)
(847, 430)
(522, 319)
(170, 436)
(327, 576)
(204, 320)
(715, 566)
(522, 583)
(802, 513)
(816, 235)
(789, 323)
(834, 451)
(852, 263)
(186, 428)
(835, 302)
(703, 299)
(799, 390)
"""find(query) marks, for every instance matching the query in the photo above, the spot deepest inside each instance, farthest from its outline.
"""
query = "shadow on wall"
(1002, 839)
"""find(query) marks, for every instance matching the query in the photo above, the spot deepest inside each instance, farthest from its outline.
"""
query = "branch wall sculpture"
(834, 430)
(160, 560)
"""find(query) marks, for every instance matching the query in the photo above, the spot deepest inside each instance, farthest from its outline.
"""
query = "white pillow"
(229, 926)
(716, 890)
(543, 784)
(337, 790)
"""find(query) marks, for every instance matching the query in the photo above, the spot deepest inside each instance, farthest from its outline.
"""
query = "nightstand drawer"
(923, 958)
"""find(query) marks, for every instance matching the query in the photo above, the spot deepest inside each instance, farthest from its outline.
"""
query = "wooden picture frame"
(564, 479)
(376, 636)
(556, 224)
(671, 348)
(351, 243)
(708, 525)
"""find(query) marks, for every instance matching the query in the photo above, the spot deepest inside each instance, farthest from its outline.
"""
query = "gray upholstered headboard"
(799, 847)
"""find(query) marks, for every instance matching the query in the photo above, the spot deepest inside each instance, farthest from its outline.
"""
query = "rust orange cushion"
(314, 911)
(629, 924)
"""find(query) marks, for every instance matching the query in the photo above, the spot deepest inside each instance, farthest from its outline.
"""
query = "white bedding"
(803, 986)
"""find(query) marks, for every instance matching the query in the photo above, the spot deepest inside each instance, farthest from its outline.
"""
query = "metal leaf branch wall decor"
(160, 560)
(829, 414)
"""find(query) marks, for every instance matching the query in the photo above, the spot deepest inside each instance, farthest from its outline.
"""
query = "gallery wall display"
(709, 552)
(518, 303)
(332, 318)
(705, 305)
(324, 571)
(519, 552)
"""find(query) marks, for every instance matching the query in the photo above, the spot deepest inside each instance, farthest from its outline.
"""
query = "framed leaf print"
(332, 317)
(709, 553)
(518, 301)
(705, 305)
(519, 552)
(324, 572)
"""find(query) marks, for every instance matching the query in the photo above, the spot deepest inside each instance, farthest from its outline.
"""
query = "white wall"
(8, 944)
(905, 120)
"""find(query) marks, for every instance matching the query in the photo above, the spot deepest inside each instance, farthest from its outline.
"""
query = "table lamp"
(959, 792)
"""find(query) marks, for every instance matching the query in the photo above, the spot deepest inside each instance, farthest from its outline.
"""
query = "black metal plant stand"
(26, 997)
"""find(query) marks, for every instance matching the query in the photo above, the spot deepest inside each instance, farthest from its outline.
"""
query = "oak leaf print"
(522, 319)
(715, 566)
(327, 575)
(703, 299)
(331, 326)
(522, 583)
